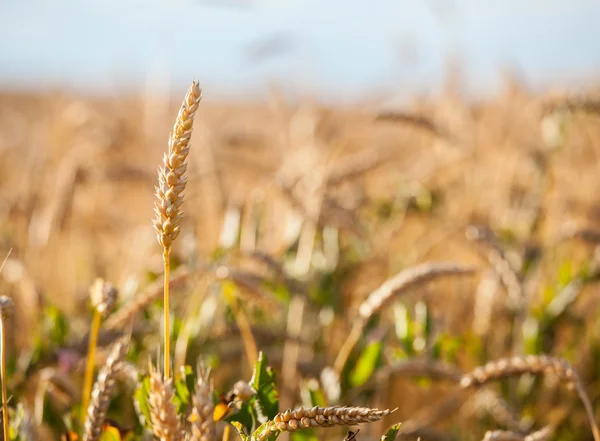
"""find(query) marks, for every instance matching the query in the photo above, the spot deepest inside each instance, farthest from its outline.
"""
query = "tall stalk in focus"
(6, 305)
(169, 192)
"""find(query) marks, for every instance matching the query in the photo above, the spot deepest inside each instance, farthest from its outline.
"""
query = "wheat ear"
(96, 412)
(391, 288)
(127, 313)
(503, 435)
(164, 420)
(169, 192)
(508, 275)
(293, 420)
(201, 419)
(533, 364)
(103, 296)
(6, 305)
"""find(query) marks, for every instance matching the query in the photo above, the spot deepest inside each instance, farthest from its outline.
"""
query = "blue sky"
(330, 48)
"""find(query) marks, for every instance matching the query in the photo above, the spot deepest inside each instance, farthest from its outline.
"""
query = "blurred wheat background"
(302, 199)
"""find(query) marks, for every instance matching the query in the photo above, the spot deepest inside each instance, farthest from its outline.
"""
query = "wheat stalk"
(293, 420)
(6, 306)
(96, 412)
(169, 192)
(390, 289)
(533, 364)
(164, 420)
(201, 419)
(103, 296)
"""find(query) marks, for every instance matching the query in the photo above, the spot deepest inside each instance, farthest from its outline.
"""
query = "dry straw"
(390, 289)
(164, 420)
(169, 192)
(293, 420)
(202, 423)
(96, 412)
(533, 364)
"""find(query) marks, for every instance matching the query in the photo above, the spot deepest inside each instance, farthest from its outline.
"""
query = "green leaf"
(366, 364)
(304, 435)
(184, 388)
(565, 273)
(240, 430)
(263, 382)
(245, 417)
(56, 326)
(391, 433)
(141, 396)
(317, 397)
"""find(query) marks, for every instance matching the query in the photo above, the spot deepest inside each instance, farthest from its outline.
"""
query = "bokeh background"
(337, 144)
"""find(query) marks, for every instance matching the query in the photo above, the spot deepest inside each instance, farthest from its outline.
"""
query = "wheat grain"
(171, 176)
(293, 420)
(96, 413)
(164, 420)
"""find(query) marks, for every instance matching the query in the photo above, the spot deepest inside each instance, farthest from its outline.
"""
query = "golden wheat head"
(202, 423)
(293, 420)
(104, 296)
(171, 175)
(166, 424)
(532, 364)
(96, 413)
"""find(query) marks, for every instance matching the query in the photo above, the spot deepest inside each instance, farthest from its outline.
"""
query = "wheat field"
(428, 273)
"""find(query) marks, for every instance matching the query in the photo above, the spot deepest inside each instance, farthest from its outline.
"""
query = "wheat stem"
(6, 305)
(3, 377)
(91, 357)
(589, 411)
(245, 330)
(167, 327)
(226, 432)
